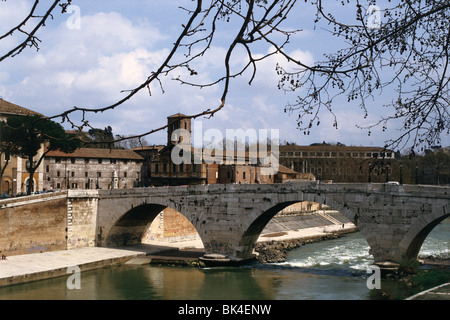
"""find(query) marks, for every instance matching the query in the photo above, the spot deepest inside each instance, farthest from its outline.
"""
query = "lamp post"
(387, 173)
(401, 173)
(417, 174)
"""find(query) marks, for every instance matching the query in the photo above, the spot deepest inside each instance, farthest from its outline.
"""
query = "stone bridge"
(394, 219)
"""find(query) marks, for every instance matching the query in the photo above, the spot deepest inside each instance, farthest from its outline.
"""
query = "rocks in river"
(277, 251)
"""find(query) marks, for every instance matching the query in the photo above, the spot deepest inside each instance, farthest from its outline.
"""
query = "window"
(74, 185)
(165, 167)
(100, 161)
(99, 174)
(47, 168)
(243, 175)
(156, 167)
(85, 174)
(72, 160)
(174, 168)
(181, 167)
(58, 174)
(194, 168)
(86, 160)
(125, 174)
(73, 174)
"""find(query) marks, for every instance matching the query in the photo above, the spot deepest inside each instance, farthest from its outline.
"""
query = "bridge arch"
(131, 226)
(253, 231)
(409, 247)
(124, 216)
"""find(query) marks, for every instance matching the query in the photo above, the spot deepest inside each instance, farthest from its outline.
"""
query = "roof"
(284, 169)
(177, 115)
(8, 108)
(98, 153)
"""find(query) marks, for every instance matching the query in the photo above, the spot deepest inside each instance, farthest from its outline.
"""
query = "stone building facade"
(92, 168)
(159, 168)
(15, 176)
(339, 163)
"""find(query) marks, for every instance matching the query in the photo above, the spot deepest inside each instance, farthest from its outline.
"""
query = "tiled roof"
(98, 153)
(177, 115)
(8, 108)
(284, 169)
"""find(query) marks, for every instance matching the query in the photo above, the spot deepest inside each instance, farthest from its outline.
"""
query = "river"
(333, 269)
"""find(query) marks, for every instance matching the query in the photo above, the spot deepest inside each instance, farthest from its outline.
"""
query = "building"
(285, 174)
(199, 166)
(91, 168)
(14, 179)
(339, 163)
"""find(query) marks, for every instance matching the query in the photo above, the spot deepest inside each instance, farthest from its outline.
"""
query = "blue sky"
(118, 45)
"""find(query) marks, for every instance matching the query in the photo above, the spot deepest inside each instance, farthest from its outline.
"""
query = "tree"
(28, 134)
(99, 138)
(396, 47)
(130, 142)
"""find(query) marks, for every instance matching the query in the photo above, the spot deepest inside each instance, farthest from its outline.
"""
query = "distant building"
(89, 168)
(339, 163)
(285, 174)
(15, 177)
(160, 169)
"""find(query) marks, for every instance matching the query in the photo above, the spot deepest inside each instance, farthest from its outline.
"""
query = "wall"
(33, 224)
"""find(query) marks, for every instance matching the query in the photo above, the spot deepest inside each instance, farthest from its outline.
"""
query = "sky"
(91, 55)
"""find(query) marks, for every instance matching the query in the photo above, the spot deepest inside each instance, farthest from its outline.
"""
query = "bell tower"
(175, 122)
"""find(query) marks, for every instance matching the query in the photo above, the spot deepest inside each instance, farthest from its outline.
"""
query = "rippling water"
(334, 269)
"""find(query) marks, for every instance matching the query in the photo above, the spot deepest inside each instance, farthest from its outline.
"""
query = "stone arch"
(6, 186)
(413, 240)
(254, 230)
(252, 233)
(130, 227)
(25, 185)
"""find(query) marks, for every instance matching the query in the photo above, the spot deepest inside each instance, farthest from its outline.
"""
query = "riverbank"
(276, 251)
(38, 266)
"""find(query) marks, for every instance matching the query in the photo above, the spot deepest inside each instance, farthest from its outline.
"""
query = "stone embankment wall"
(33, 224)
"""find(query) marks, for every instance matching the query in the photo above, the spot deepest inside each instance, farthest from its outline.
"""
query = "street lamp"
(387, 172)
(417, 174)
(401, 173)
